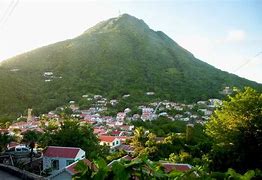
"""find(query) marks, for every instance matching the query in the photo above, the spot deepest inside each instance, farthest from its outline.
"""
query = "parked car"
(19, 151)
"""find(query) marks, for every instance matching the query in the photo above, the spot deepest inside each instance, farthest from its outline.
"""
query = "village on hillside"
(112, 131)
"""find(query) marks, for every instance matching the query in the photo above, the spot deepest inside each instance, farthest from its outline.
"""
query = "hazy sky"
(225, 34)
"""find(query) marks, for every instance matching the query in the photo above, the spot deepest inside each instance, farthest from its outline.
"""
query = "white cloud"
(235, 35)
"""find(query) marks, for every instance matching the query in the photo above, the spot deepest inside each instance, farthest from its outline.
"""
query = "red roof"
(71, 167)
(63, 152)
(179, 167)
(115, 133)
(3, 131)
(107, 138)
(99, 131)
(12, 144)
(125, 147)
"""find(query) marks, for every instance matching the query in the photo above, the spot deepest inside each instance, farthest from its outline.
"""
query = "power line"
(11, 11)
(8, 12)
(248, 61)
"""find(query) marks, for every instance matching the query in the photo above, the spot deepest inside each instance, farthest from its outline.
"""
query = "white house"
(150, 93)
(48, 74)
(121, 116)
(113, 102)
(111, 141)
(215, 102)
(56, 158)
(68, 172)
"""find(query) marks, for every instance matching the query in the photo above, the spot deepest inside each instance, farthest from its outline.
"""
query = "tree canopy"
(73, 134)
(236, 128)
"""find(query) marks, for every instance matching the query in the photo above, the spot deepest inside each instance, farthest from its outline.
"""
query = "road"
(7, 176)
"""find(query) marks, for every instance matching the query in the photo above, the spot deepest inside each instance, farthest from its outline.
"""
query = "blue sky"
(225, 34)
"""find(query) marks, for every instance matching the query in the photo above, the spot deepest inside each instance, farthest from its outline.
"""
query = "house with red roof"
(12, 144)
(69, 171)
(57, 158)
(168, 167)
(99, 131)
(112, 141)
(115, 133)
(126, 148)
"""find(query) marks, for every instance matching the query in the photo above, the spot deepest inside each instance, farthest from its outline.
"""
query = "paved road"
(6, 176)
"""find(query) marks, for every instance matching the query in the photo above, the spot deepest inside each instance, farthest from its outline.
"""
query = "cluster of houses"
(111, 131)
(193, 113)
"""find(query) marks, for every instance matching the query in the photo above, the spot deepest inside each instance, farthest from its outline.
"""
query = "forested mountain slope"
(119, 56)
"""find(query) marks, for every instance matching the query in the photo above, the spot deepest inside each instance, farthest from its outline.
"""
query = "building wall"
(47, 163)
(80, 155)
(111, 143)
(116, 142)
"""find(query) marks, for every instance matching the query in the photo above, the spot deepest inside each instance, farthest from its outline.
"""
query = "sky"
(224, 33)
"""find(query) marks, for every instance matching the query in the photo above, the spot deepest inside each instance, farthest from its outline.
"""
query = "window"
(25, 150)
(113, 143)
(117, 142)
(68, 162)
(18, 149)
(55, 164)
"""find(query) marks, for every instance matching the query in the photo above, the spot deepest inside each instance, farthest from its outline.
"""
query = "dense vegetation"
(236, 129)
(143, 168)
(118, 56)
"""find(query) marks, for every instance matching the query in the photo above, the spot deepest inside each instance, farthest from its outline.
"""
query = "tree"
(72, 134)
(4, 140)
(144, 143)
(182, 157)
(236, 128)
(31, 136)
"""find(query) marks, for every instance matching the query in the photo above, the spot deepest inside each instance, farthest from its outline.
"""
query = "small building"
(57, 158)
(69, 171)
(46, 74)
(215, 102)
(121, 116)
(168, 167)
(112, 141)
(126, 96)
(127, 110)
(113, 102)
(97, 97)
(126, 148)
(150, 93)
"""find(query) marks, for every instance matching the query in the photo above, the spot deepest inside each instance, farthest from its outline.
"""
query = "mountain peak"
(128, 17)
(120, 23)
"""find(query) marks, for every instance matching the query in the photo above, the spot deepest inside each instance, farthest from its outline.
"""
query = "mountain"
(119, 56)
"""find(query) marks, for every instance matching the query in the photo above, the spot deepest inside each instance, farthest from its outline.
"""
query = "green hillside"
(118, 56)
